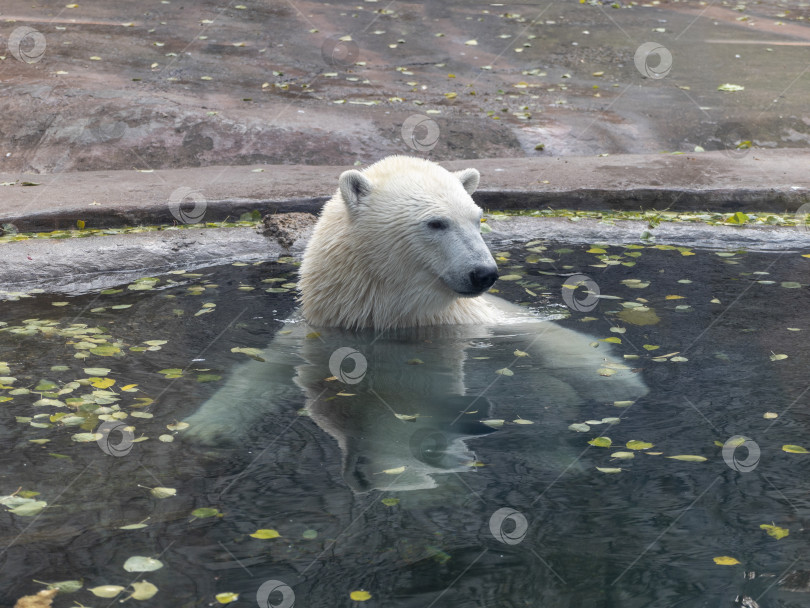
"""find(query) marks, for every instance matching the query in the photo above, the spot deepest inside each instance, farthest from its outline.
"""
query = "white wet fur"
(377, 278)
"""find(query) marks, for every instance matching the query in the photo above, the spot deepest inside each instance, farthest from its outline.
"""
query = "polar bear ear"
(469, 179)
(354, 186)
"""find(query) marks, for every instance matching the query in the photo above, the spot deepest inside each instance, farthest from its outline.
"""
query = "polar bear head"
(398, 245)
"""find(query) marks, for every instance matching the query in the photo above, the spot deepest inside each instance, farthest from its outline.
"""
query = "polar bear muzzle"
(483, 277)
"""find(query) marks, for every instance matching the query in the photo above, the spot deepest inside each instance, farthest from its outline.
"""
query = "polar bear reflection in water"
(393, 294)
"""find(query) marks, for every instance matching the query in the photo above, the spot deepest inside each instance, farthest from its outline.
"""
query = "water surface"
(704, 329)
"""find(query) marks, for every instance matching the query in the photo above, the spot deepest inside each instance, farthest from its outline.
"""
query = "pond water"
(544, 503)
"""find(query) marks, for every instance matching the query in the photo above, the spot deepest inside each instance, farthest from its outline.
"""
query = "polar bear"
(393, 299)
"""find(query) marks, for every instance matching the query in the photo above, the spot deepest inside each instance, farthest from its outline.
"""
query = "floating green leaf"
(29, 508)
(688, 458)
(638, 445)
(208, 378)
(160, 492)
(96, 371)
(87, 437)
(738, 218)
(204, 512)
(601, 442)
(140, 563)
(63, 586)
(106, 591)
(623, 455)
(143, 590)
(253, 353)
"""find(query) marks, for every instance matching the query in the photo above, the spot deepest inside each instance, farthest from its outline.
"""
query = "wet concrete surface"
(171, 84)
(777, 181)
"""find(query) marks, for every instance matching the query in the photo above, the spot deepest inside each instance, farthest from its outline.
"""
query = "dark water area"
(706, 331)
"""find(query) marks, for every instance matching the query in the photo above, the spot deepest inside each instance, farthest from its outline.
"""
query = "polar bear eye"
(437, 225)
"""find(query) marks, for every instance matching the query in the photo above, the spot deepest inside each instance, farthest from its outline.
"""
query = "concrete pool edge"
(745, 180)
(74, 266)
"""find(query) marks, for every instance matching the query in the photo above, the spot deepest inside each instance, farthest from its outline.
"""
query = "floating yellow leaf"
(265, 534)
(601, 442)
(505, 371)
(493, 423)
(390, 502)
(227, 597)
(102, 382)
(608, 469)
(520, 353)
(778, 357)
(775, 531)
(674, 298)
(612, 340)
(688, 458)
(794, 449)
(360, 596)
(725, 560)
(395, 471)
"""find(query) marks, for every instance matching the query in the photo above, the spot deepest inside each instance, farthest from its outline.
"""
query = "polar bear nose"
(482, 277)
